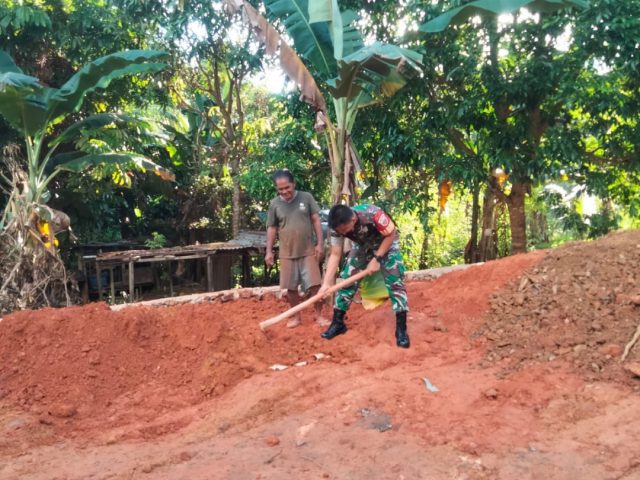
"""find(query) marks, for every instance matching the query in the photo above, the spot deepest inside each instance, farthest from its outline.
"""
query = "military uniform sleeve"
(336, 240)
(383, 222)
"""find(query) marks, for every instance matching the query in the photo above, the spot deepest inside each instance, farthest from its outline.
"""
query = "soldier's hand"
(323, 290)
(373, 266)
(268, 259)
(319, 252)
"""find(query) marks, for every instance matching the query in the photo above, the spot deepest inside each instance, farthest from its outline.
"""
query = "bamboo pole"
(316, 298)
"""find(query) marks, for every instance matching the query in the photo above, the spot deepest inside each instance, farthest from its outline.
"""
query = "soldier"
(375, 247)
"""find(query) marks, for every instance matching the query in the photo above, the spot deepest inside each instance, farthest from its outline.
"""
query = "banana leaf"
(320, 11)
(345, 36)
(122, 158)
(379, 69)
(92, 122)
(290, 62)
(21, 101)
(351, 37)
(7, 64)
(98, 74)
(461, 14)
(311, 40)
(30, 107)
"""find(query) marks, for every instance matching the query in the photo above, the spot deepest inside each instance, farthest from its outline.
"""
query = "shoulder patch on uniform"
(383, 223)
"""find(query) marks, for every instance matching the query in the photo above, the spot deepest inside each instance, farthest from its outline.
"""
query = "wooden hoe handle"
(316, 298)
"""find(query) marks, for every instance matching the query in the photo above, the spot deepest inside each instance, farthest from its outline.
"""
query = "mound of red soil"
(582, 302)
(91, 363)
(87, 392)
(85, 367)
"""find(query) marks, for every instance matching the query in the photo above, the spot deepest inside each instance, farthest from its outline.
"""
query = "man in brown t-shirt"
(293, 217)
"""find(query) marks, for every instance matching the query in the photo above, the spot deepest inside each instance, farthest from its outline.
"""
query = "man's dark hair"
(339, 215)
(282, 174)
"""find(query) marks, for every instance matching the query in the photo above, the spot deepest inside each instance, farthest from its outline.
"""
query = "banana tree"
(31, 275)
(34, 109)
(354, 74)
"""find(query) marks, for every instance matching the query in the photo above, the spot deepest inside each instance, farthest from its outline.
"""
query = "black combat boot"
(337, 326)
(402, 339)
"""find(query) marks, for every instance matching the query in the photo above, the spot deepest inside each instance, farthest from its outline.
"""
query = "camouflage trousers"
(392, 269)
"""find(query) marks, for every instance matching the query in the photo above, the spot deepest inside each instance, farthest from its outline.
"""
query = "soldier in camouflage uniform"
(375, 247)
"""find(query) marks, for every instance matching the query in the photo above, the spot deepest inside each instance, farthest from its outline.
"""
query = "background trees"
(507, 129)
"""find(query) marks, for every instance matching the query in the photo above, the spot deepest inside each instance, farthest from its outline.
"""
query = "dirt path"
(187, 392)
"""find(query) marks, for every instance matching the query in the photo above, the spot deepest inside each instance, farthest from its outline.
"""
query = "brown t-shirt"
(293, 221)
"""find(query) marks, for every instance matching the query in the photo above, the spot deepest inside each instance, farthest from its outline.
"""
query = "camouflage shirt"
(370, 229)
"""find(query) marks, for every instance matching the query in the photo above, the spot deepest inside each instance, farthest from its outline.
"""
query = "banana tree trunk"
(345, 164)
(336, 160)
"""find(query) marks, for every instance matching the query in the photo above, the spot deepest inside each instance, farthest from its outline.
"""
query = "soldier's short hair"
(339, 215)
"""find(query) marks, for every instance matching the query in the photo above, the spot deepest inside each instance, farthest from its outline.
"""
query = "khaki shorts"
(303, 271)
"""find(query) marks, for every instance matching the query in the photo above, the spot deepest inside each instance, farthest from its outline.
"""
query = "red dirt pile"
(86, 367)
(97, 365)
(488, 390)
(582, 302)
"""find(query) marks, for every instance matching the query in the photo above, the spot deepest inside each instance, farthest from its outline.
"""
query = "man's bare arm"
(317, 227)
(271, 240)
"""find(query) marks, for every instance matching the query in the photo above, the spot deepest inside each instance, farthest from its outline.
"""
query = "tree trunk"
(471, 252)
(539, 228)
(235, 198)
(515, 202)
(487, 250)
(423, 261)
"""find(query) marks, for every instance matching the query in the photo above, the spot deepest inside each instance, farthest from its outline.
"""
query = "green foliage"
(499, 92)
(95, 211)
(83, 31)
(473, 108)
(603, 223)
(488, 8)
(628, 222)
(569, 213)
(157, 240)
(503, 231)
(412, 237)
(32, 109)
(565, 210)
(443, 240)
(283, 141)
(24, 16)
(211, 206)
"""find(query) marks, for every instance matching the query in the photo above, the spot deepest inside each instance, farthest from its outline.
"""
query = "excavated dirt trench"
(513, 372)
